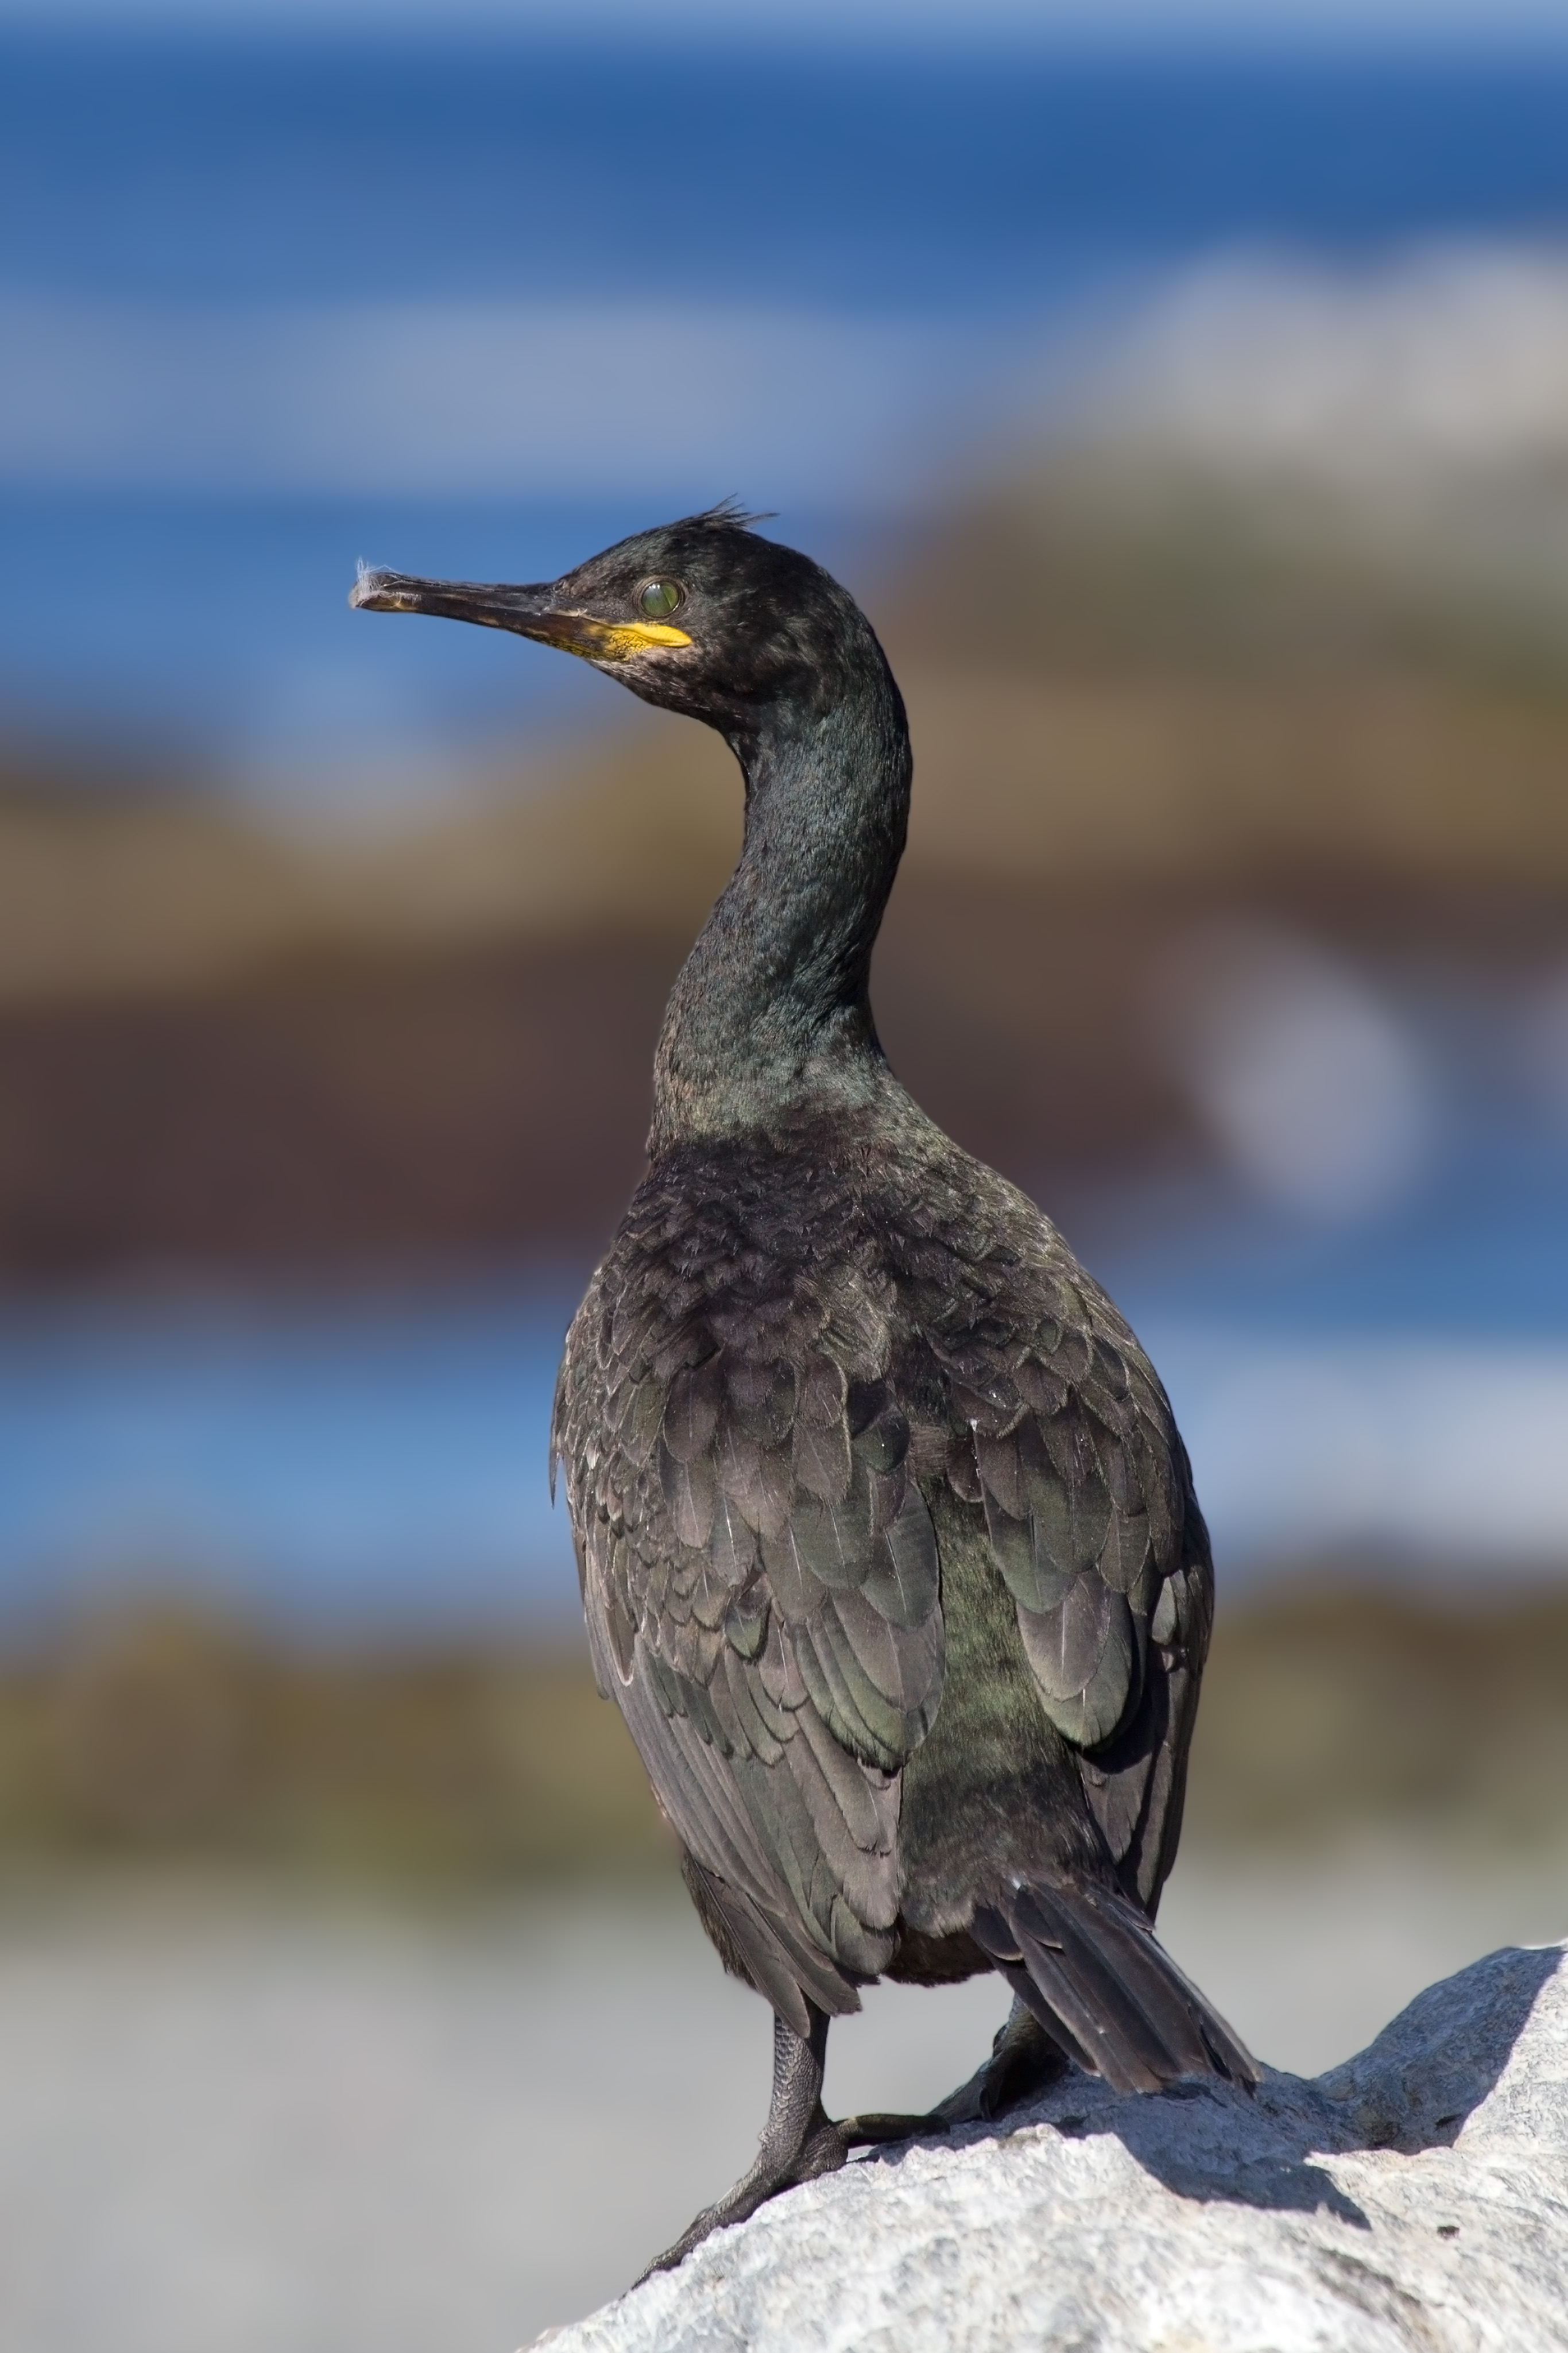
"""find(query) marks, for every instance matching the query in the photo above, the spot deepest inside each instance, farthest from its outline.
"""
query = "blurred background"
(1190, 411)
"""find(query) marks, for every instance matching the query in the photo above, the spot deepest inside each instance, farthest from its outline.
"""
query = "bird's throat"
(771, 1014)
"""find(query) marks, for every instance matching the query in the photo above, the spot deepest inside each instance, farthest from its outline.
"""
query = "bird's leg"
(799, 2140)
(1023, 2060)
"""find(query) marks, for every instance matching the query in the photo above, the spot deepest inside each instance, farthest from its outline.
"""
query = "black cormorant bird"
(888, 1542)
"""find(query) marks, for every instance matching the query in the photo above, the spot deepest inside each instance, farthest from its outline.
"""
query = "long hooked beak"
(530, 612)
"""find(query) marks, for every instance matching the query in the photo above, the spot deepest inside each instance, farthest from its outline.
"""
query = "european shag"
(889, 1548)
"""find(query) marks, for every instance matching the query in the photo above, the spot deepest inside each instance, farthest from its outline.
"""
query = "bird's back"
(889, 1549)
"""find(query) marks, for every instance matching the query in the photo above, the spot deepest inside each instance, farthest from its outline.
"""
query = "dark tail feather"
(1089, 1964)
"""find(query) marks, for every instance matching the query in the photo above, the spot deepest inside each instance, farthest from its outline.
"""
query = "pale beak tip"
(372, 591)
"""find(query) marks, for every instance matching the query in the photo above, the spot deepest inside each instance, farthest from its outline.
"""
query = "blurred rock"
(1334, 1712)
(165, 1736)
(1338, 1698)
(1414, 2197)
(155, 1731)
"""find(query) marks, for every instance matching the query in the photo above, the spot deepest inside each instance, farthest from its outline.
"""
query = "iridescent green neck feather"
(772, 1013)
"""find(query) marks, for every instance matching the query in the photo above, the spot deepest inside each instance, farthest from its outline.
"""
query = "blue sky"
(899, 22)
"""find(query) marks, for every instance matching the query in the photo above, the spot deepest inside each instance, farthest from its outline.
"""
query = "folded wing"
(761, 1591)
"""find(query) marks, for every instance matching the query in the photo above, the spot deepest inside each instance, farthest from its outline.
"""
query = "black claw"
(824, 2150)
(874, 2131)
(799, 2142)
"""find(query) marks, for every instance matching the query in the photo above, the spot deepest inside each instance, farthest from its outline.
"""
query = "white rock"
(1414, 2198)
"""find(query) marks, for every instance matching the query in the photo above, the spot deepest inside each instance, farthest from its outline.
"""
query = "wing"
(759, 1576)
(1061, 1430)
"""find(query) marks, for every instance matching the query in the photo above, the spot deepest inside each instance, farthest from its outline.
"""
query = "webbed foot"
(800, 2141)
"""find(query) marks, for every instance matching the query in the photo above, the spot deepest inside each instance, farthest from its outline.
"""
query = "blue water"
(336, 1466)
(967, 200)
(320, 1464)
(1481, 1252)
(236, 168)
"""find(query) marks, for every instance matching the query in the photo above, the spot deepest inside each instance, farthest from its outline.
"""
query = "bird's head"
(701, 616)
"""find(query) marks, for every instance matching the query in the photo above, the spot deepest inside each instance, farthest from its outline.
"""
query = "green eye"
(658, 598)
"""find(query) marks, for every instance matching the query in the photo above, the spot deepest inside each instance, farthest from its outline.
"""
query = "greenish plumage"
(889, 1547)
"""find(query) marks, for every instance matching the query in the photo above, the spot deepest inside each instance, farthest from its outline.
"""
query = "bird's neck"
(771, 1015)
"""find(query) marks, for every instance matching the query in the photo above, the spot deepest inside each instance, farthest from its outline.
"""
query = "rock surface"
(1414, 2198)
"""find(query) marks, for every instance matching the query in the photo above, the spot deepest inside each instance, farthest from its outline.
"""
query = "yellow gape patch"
(614, 640)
